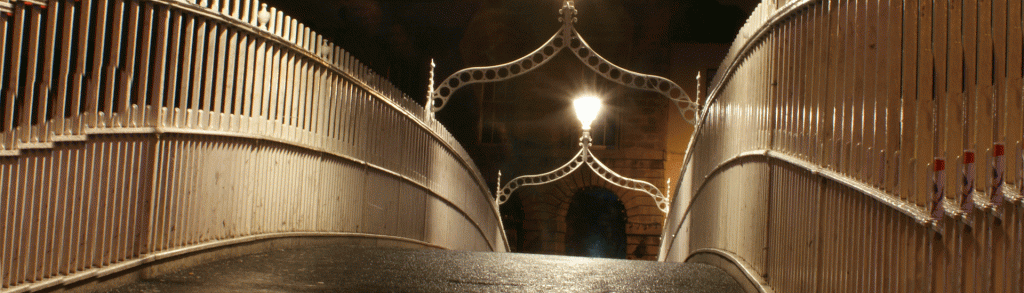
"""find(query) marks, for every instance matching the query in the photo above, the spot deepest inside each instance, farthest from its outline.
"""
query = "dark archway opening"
(595, 224)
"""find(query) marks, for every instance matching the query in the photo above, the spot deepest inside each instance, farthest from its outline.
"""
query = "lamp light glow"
(586, 110)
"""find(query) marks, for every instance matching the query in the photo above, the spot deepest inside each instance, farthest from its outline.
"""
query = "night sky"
(398, 38)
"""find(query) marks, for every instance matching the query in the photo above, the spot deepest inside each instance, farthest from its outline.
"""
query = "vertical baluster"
(197, 72)
(783, 86)
(136, 115)
(210, 74)
(848, 85)
(8, 191)
(90, 114)
(109, 83)
(956, 121)
(301, 35)
(971, 40)
(329, 119)
(830, 128)
(11, 95)
(1014, 104)
(214, 94)
(27, 133)
(179, 106)
(300, 108)
(122, 87)
(244, 85)
(313, 102)
(271, 97)
(158, 205)
(340, 121)
(284, 98)
(42, 127)
(70, 256)
(284, 27)
(228, 81)
(24, 194)
(60, 100)
(254, 8)
(819, 95)
(805, 79)
(908, 90)
(6, 132)
(997, 249)
(123, 209)
(72, 206)
(300, 100)
(891, 86)
(319, 105)
(347, 115)
(165, 70)
(174, 213)
(276, 21)
(1014, 155)
(261, 94)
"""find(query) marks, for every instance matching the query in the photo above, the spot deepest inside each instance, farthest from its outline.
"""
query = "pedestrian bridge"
(139, 131)
(861, 146)
(844, 146)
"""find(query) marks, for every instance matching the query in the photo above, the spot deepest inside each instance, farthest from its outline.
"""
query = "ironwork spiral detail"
(625, 77)
(439, 97)
(631, 184)
(540, 179)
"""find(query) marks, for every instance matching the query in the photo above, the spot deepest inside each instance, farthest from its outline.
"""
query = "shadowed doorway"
(595, 224)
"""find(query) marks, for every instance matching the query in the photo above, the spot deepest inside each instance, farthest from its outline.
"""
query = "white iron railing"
(831, 154)
(135, 130)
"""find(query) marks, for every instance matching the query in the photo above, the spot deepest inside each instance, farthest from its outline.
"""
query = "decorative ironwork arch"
(583, 157)
(566, 37)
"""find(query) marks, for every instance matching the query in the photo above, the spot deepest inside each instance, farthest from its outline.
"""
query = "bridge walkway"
(348, 268)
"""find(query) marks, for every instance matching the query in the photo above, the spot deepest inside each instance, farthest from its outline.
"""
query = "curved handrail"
(836, 164)
(742, 46)
(744, 268)
(175, 84)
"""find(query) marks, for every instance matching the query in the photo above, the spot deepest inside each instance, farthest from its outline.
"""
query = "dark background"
(398, 38)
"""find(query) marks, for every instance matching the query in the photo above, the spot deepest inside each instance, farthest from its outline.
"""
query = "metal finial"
(698, 86)
(432, 66)
(263, 16)
(430, 89)
(497, 189)
(668, 186)
(568, 12)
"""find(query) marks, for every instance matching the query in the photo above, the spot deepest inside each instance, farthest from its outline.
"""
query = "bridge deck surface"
(357, 268)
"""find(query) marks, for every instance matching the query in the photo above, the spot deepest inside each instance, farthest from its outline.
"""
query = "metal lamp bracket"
(583, 157)
(566, 37)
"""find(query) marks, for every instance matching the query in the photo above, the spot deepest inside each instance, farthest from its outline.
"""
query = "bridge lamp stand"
(587, 109)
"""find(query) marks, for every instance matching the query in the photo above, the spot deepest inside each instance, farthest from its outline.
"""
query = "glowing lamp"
(586, 110)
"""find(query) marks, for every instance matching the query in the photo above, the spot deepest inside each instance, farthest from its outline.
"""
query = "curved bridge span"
(861, 146)
(137, 131)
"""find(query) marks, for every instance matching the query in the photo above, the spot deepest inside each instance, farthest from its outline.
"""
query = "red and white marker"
(967, 183)
(938, 188)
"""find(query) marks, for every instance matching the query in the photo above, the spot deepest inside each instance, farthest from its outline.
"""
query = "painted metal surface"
(863, 146)
(132, 130)
(583, 157)
(566, 38)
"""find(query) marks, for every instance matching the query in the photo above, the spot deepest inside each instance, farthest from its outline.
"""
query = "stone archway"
(595, 224)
